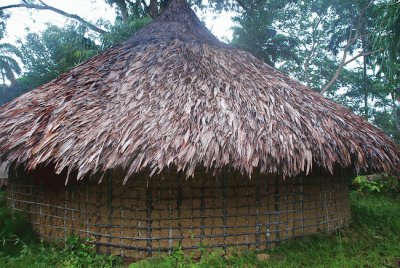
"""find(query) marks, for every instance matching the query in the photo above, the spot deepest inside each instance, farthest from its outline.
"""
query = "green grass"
(372, 240)
(73, 253)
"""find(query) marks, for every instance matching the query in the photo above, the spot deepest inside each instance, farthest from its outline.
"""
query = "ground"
(372, 240)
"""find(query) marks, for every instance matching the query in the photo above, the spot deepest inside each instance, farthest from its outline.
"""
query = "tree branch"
(56, 10)
(395, 111)
(342, 65)
(121, 4)
(43, 3)
(245, 8)
(314, 45)
(350, 41)
(361, 54)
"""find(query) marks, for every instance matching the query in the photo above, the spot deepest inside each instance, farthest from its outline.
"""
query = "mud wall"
(156, 215)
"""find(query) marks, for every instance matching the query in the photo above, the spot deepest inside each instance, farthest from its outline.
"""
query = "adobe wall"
(156, 215)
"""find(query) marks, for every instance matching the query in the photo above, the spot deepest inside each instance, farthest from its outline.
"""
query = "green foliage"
(129, 10)
(384, 119)
(377, 183)
(15, 231)
(81, 253)
(9, 92)
(387, 38)
(387, 41)
(121, 31)
(322, 30)
(177, 259)
(256, 33)
(45, 56)
(208, 258)
(365, 184)
(391, 184)
(3, 20)
(319, 32)
(75, 253)
(9, 67)
(55, 51)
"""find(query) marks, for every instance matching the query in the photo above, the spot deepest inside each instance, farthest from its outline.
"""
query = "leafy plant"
(9, 66)
(15, 231)
(377, 183)
(391, 184)
(54, 51)
(366, 185)
(120, 32)
(73, 253)
(81, 253)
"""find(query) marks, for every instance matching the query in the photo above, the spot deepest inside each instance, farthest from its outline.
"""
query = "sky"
(91, 10)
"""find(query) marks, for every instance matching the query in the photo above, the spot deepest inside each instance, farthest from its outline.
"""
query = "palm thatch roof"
(3, 171)
(173, 95)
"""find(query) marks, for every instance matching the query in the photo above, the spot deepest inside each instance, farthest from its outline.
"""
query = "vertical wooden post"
(302, 204)
(87, 209)
(224, 208)
(122, 193)
(267, 204)
(99, 219)
(202, 212)
(65, 213)
(318, 207)
(179, 199)
(277, 210)
(170, 217)
(149, 219)
(109, 211)
(257, 197)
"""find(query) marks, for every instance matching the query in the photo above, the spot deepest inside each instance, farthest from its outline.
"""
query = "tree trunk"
(365, 87)
(153, 9)
(395, 116)
(121, 4)
(4, 82)
(306, 74)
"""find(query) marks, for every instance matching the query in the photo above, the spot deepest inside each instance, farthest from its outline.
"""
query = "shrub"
(377, 183)
(81, 253)
(15, 231)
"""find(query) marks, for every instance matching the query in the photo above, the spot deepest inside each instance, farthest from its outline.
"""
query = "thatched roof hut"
(174, 97)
